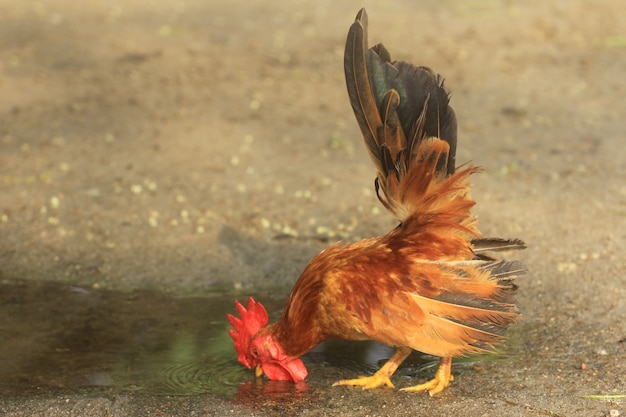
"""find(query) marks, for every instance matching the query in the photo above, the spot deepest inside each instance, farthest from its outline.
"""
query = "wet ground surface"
(160, 159)
(66, 338)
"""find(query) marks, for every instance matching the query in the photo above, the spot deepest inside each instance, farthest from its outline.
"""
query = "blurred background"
(194, 148)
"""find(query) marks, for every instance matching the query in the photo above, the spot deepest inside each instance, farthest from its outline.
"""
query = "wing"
(466, 308)
(375, 289)
(400, 109)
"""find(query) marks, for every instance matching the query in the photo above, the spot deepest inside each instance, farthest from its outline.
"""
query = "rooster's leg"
(382, 376)
(439, 382)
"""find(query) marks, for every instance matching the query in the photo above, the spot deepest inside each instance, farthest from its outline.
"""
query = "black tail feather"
(396, 104)
(495, 244)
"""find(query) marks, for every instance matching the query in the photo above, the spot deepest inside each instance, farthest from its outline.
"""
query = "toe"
(367, 382)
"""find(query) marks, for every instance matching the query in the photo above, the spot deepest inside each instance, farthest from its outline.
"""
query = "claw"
(439, 382)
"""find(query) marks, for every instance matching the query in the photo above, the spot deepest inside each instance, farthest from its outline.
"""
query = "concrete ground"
(193, 148)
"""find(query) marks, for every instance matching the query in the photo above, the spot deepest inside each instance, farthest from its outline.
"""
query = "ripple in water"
(223, 377)
(220, 376)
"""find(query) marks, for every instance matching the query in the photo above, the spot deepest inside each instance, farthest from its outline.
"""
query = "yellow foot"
(439, 382)
(367, 382)
(433, 386)
(381, 377)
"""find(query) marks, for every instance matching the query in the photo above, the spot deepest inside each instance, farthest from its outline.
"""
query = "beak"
(292, 370)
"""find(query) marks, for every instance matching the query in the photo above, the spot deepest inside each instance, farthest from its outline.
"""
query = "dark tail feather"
(494, 244)
(396, 104)
(359, 91)
(505, 270)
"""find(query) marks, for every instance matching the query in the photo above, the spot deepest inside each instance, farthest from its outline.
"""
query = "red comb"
(252, 320)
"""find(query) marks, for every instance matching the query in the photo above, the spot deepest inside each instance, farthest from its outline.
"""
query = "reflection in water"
(54, 336)
(258, 390)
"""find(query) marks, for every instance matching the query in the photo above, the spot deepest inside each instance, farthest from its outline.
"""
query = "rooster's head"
(258, 349)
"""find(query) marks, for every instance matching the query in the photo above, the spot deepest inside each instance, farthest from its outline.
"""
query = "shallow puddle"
(56, 336)
(60, 336)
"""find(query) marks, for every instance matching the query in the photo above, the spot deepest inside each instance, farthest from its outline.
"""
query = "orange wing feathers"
(444, 308)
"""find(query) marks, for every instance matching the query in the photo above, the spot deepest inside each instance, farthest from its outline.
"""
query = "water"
(56, 336)
(60, 337)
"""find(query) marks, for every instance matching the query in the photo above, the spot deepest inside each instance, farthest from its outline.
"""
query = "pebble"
(566, 267)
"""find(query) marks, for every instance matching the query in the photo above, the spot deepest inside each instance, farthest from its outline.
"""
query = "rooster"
(428, 285)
